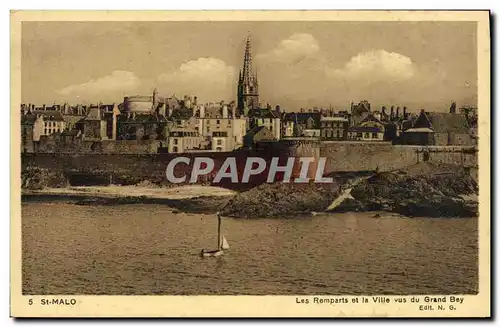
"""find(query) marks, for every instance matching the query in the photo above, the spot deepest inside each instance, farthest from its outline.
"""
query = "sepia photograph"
(325, 158)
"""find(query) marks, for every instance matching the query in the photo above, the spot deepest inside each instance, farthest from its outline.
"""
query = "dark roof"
(107, 107)
(49, 114)
(364, 129)
(182, 113)
(52, 115)
(73, 132)
(370, 117)
(261, 113)
(28, 119)
(250, 136)
(407, 124)
(141, 118)
(216, 112)
(254, 131)
(301, 118)
(443, 122)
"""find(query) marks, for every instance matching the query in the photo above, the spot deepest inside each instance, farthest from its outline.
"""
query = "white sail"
(224, 243)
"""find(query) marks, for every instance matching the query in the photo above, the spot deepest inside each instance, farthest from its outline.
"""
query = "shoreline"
(183, 199)
(119, 191)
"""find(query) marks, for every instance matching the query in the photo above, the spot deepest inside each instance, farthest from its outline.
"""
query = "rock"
(410, 194)
(34, 178)
(281, 200)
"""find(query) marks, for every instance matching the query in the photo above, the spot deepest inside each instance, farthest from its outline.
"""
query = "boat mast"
(218, 232)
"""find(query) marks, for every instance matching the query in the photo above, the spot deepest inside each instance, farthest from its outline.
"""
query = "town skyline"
(299, 64)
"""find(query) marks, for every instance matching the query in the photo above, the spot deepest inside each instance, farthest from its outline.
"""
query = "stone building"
(265, 117)
(94, 127)
(182, 140)
(222, 141)
(144, 117)
(438, 128)
(302, 124)
(221, 118)
(334, 128)
(38, 123)
(369, 129)
(359, 111)
(256, 135)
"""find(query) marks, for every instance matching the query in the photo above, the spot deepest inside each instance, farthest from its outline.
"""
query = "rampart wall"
(102, 168)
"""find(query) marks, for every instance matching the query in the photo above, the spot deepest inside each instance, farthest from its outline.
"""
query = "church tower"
(248, 86)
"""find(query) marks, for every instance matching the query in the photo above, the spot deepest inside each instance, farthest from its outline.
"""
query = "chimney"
(405, 115)
(43, 107)
(453, 107)
(397, 112)
(278, 109)
(224, 110)
(202, 111)
(392, 112)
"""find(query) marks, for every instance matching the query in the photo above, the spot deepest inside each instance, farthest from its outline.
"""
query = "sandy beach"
(116, 191)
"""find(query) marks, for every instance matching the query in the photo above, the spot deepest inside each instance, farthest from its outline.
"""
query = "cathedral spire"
(247, 61)
(248, 88)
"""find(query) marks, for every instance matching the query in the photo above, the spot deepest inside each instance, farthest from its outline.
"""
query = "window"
(359, 135)
(374, 135)
(218, 121)
(176, 141)
(174, 149)
(219, 142)
(45, 132)
(367, 135)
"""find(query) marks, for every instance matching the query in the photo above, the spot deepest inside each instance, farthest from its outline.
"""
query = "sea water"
(148, 249)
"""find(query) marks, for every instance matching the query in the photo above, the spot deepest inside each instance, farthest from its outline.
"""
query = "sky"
(421, 65)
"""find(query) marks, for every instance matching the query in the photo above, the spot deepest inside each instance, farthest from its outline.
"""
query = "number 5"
(30, 301)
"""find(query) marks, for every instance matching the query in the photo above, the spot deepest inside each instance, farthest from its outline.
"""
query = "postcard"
(250, 164)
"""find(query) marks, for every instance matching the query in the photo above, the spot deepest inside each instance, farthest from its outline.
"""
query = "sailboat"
(222, 243)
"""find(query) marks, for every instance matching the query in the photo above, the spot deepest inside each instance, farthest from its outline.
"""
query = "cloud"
(301, 71)
(210, 79)
(292, 50)
(107, 86)
(378, 64)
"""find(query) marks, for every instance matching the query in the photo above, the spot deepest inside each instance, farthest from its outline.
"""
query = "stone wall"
(360, 156)
(58, 145)
(101, 166)
(130, 169)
